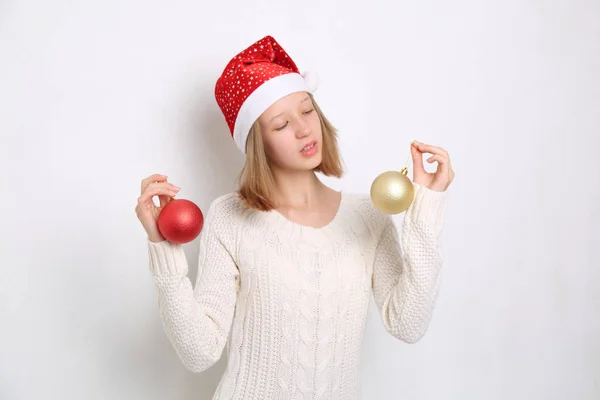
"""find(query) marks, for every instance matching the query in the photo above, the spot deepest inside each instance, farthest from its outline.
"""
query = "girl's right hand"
(146, 211)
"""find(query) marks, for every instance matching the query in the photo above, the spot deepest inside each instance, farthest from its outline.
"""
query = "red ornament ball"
(180, 221)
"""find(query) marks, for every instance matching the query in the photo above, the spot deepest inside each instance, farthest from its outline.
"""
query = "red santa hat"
(255, 79)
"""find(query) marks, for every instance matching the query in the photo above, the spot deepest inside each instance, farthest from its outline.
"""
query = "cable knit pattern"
(288, 302)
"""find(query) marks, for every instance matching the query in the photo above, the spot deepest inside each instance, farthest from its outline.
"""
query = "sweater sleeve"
(197, 320)
(406, 271)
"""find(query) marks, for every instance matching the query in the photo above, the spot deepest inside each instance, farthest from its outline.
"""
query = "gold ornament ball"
(392, 192)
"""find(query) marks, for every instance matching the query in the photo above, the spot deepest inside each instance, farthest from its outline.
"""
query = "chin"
(313, 163)
(305, 165)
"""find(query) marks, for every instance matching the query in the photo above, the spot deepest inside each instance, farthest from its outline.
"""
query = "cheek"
(316, 127)
(319, 132)
(281, 146)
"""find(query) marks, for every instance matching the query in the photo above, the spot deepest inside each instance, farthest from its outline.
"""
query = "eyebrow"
(305, 99)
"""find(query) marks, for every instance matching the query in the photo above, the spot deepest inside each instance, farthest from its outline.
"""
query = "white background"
(95, 96)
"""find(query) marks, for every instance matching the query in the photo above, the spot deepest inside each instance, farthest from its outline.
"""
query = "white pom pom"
(311, 79)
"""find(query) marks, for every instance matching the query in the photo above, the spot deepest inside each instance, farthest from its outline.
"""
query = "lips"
(308, 146)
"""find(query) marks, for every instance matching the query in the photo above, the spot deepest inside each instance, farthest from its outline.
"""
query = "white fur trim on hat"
(312, 80)
(261, 99)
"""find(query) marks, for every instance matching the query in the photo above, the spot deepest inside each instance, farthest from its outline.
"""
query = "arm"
(196, 320)
(406, 273)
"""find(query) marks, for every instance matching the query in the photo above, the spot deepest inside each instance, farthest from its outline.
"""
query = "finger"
(427, 148)
(151, 179)
(162, 184)
(164, 200)
(149, 194)
(442, 163)
(156, 190)
(417, 157)
(450, 169)
(439, 158)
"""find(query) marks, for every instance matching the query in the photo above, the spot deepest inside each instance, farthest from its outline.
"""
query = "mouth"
(309, 146)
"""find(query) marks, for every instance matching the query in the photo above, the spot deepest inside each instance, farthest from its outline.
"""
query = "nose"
(302, 128)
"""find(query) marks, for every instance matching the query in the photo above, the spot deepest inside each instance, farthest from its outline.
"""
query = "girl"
(286, 264)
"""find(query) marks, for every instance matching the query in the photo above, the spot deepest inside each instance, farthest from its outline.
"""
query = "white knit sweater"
(290, 301)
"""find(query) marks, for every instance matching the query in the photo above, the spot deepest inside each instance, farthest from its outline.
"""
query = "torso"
(302, 302)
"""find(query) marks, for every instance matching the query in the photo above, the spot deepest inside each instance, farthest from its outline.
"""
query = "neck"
(298, 189)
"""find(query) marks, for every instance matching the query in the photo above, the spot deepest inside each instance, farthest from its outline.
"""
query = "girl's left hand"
(442, 177)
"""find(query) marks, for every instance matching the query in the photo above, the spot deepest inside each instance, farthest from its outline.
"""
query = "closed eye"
(283, 126)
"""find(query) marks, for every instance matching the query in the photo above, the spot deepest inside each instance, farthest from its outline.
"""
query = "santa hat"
(255, 79)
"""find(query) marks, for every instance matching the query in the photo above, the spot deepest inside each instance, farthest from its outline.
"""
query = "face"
(291, 133)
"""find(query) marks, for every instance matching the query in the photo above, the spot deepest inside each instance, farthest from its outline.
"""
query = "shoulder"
(360, 210)
(225, 214)
(225, 220)
(227, 207)
(226, 204)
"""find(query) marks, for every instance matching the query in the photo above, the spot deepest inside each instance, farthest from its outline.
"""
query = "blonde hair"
(256, 180)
